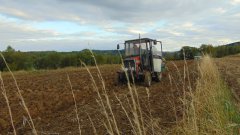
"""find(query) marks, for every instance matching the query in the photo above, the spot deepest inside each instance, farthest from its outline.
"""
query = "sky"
(73, 25)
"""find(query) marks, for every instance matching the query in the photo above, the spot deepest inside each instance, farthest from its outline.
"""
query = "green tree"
(9, 49)
(86, 57)
(207, 49)
(69, 60)
(188, 52)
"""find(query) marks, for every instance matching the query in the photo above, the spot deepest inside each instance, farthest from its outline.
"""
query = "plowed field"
(49, 99)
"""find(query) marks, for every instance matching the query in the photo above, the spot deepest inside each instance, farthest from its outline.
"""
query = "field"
(49, 99)
(230, 69)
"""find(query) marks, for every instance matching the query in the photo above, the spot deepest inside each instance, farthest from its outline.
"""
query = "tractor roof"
(137, 40)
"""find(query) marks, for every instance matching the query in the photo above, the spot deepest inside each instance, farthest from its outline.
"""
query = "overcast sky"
(69, 25)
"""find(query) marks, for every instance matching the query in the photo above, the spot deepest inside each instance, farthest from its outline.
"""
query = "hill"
(234, 44)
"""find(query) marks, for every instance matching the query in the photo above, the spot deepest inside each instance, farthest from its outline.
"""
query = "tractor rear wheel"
(147, 79)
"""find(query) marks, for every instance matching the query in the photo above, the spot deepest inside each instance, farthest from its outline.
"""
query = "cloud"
(65, 23)
(235, 2)
(140, 11)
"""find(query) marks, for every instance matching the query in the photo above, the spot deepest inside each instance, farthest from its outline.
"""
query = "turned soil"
(48, 97)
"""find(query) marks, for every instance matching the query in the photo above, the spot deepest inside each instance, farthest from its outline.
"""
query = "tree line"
(214, 51)
(18, 60)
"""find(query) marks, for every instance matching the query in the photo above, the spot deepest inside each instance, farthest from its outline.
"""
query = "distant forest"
(53, 60)
(18, 60)
(214, 51)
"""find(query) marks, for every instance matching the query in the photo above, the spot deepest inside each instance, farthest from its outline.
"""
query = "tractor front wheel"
(147, 79)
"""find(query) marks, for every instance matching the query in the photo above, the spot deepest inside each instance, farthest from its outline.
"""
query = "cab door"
(157, 59)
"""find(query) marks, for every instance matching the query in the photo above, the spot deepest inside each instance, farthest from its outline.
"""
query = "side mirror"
(118, 47)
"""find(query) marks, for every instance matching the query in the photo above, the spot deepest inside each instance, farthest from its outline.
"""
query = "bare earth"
(49, 99)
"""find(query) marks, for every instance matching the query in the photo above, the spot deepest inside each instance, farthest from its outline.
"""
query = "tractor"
(142, 61)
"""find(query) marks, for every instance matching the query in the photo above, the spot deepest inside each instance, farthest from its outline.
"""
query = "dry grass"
(209, 109)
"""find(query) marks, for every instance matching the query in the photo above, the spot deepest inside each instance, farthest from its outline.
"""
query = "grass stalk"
(75, 104)
(94, 128)
(105, 112)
